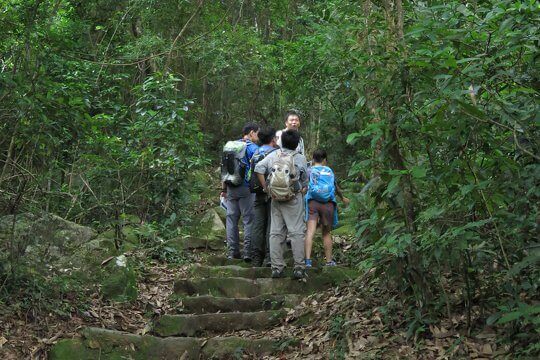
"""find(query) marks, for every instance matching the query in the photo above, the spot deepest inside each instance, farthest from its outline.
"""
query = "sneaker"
(308, 263)
(247, 259)
(331, 263)
(298, 274)
(276, 274)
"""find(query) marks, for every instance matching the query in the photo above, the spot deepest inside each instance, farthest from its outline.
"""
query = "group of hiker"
(266, 180)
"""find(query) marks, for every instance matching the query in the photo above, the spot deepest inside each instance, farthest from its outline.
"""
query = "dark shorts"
(324, 212)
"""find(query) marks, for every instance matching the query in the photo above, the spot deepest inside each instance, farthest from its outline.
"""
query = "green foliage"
(428, 109)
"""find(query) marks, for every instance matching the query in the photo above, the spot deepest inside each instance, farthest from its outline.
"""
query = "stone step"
(240, 271)
(220, 260)
(192, 242)
(236, 287)
(197, 325)
(223, 261)
(211, 304)
(109, 344)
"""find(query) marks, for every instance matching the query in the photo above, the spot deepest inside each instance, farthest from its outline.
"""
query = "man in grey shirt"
(287, 217)
(292, 122)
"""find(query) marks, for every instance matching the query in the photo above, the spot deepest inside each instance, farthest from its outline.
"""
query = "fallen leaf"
(3, 340)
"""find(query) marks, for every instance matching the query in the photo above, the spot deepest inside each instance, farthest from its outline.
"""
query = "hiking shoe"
(235, 256)
(308, 263)
(276, 274)
(331, 263)
(298, 274)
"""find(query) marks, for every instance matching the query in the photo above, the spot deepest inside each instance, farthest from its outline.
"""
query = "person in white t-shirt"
(292, 122)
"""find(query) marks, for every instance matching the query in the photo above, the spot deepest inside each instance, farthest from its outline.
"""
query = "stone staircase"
(218, 299)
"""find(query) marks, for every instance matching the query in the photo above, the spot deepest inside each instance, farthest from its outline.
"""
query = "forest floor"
(359, 320)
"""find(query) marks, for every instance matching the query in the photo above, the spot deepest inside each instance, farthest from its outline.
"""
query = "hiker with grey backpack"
(283, 174)
(235, 166)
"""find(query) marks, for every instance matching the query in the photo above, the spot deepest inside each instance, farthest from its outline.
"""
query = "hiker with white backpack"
(321, 205)
(286, 172)
(235, 164)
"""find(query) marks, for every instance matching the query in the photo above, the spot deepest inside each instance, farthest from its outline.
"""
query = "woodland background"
(429, 111)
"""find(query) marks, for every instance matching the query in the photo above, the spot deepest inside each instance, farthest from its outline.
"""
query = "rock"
(209, 226)
(212, 221)
(195, 242)
(130, 235)
(190, 325)
(110, 344)
(212, 304)
(90, 255)
(222, 213)
(119, 282)
(240, 271)
(45, 238)
(235, 287)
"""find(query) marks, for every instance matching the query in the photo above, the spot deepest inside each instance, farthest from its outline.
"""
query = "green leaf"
(353, 138)
(419, 172)
(392, 185)
(506, 318)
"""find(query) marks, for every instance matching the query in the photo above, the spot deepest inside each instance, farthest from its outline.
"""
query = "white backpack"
(282, 177)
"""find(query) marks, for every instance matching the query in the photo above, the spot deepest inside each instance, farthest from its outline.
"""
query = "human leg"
(327, 242)
(267, 261)
(293, 215)
(310, 232)
(259, 231)
(246, 208)
(313, 217)
(278, 232)
(233, 216)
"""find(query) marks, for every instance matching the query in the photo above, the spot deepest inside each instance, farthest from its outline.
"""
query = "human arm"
(223, 192)
(262, 180)
(339, 193)
(301, 164)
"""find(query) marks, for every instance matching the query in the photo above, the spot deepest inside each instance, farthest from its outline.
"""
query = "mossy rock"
(240, 271)
(90, 255)
(236, 287)
(190, 325)
(222, 213)
(218, 260)
(42, 238)
(130, 235)
(209, 226)
(116, 345)
(195, 242)
(120, 282)
(204, 304)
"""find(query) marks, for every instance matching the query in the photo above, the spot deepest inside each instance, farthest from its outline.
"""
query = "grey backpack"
(233, 167)
(282, 177)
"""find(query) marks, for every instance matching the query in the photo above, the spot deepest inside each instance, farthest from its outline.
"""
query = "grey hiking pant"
(287, 223)
(260, 231)
(239, 202)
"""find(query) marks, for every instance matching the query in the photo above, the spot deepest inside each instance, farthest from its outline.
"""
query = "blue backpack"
(322, 186)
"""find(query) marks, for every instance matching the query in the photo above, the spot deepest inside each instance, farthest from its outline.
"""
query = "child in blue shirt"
(321, 205)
